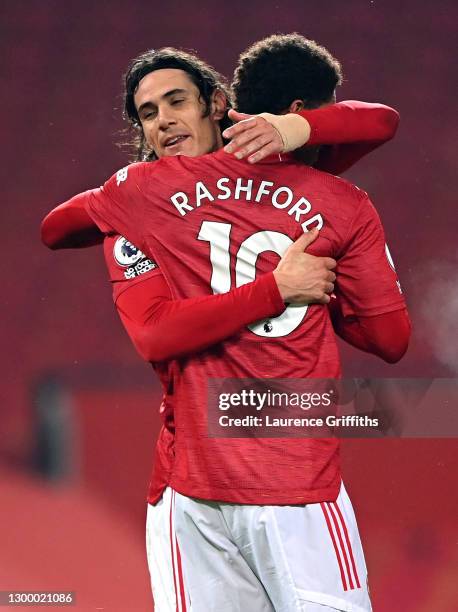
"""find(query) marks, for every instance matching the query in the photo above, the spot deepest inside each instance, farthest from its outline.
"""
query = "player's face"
(172, 114)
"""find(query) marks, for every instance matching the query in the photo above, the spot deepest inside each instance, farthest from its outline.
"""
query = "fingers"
(250, 136)
(329, 262)
(236, 116)
(326, 294)
(323, 293)
(240, 134)
(248, 122)
(243, 147)
(269, 149)
(304, 241)
(329, 288)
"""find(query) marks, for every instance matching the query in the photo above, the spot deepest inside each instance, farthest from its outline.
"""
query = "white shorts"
(164, 559)
(235, 558)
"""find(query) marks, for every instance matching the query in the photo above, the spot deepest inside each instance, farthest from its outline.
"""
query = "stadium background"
(79, 410)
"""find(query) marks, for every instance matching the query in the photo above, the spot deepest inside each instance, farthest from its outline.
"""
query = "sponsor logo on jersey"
(127, 255)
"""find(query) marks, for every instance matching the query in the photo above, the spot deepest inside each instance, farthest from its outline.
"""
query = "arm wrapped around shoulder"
(293, 129)
(69, 226)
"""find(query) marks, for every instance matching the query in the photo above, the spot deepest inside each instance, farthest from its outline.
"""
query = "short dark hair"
(206, 79)
(277, 70)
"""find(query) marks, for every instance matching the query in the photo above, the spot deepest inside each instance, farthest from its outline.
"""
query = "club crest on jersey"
(125, 253)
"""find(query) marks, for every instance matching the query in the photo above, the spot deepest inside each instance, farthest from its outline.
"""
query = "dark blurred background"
(78, 414)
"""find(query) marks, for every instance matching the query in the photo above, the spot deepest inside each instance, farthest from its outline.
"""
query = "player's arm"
(370, 310)
(385, 335)
(80, 221)
(162, 328)
(69, 226)
(351, 128)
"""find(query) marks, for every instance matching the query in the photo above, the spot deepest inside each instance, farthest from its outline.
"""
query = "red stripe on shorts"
(336, 549)
(350, 550)
(342, 547)
(180, 576)
(171, 548)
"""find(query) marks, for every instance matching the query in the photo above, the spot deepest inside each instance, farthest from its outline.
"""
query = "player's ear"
(218, 105)
(296, 106)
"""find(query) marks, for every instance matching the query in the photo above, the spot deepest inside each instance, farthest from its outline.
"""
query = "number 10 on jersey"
(219, 236)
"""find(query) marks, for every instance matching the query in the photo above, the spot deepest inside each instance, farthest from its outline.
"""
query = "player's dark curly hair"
(282, 68)
(206, 79)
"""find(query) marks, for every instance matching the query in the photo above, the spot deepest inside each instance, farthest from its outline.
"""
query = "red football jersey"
(212, 222)
(127, 266)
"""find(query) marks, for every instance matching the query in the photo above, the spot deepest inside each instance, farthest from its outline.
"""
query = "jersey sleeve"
(366, 279)
(351, 121)
(159, 326)
(126, 264)
(119, 205)
(68, 226)
(350, 130)
(385, 335)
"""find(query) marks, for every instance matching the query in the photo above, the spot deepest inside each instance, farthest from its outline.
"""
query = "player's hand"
(252, 136)
(303, 278)
(258, 136)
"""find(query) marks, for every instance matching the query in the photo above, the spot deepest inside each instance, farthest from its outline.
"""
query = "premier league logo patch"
(125, 253)
(128, 256)
(268, 327)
